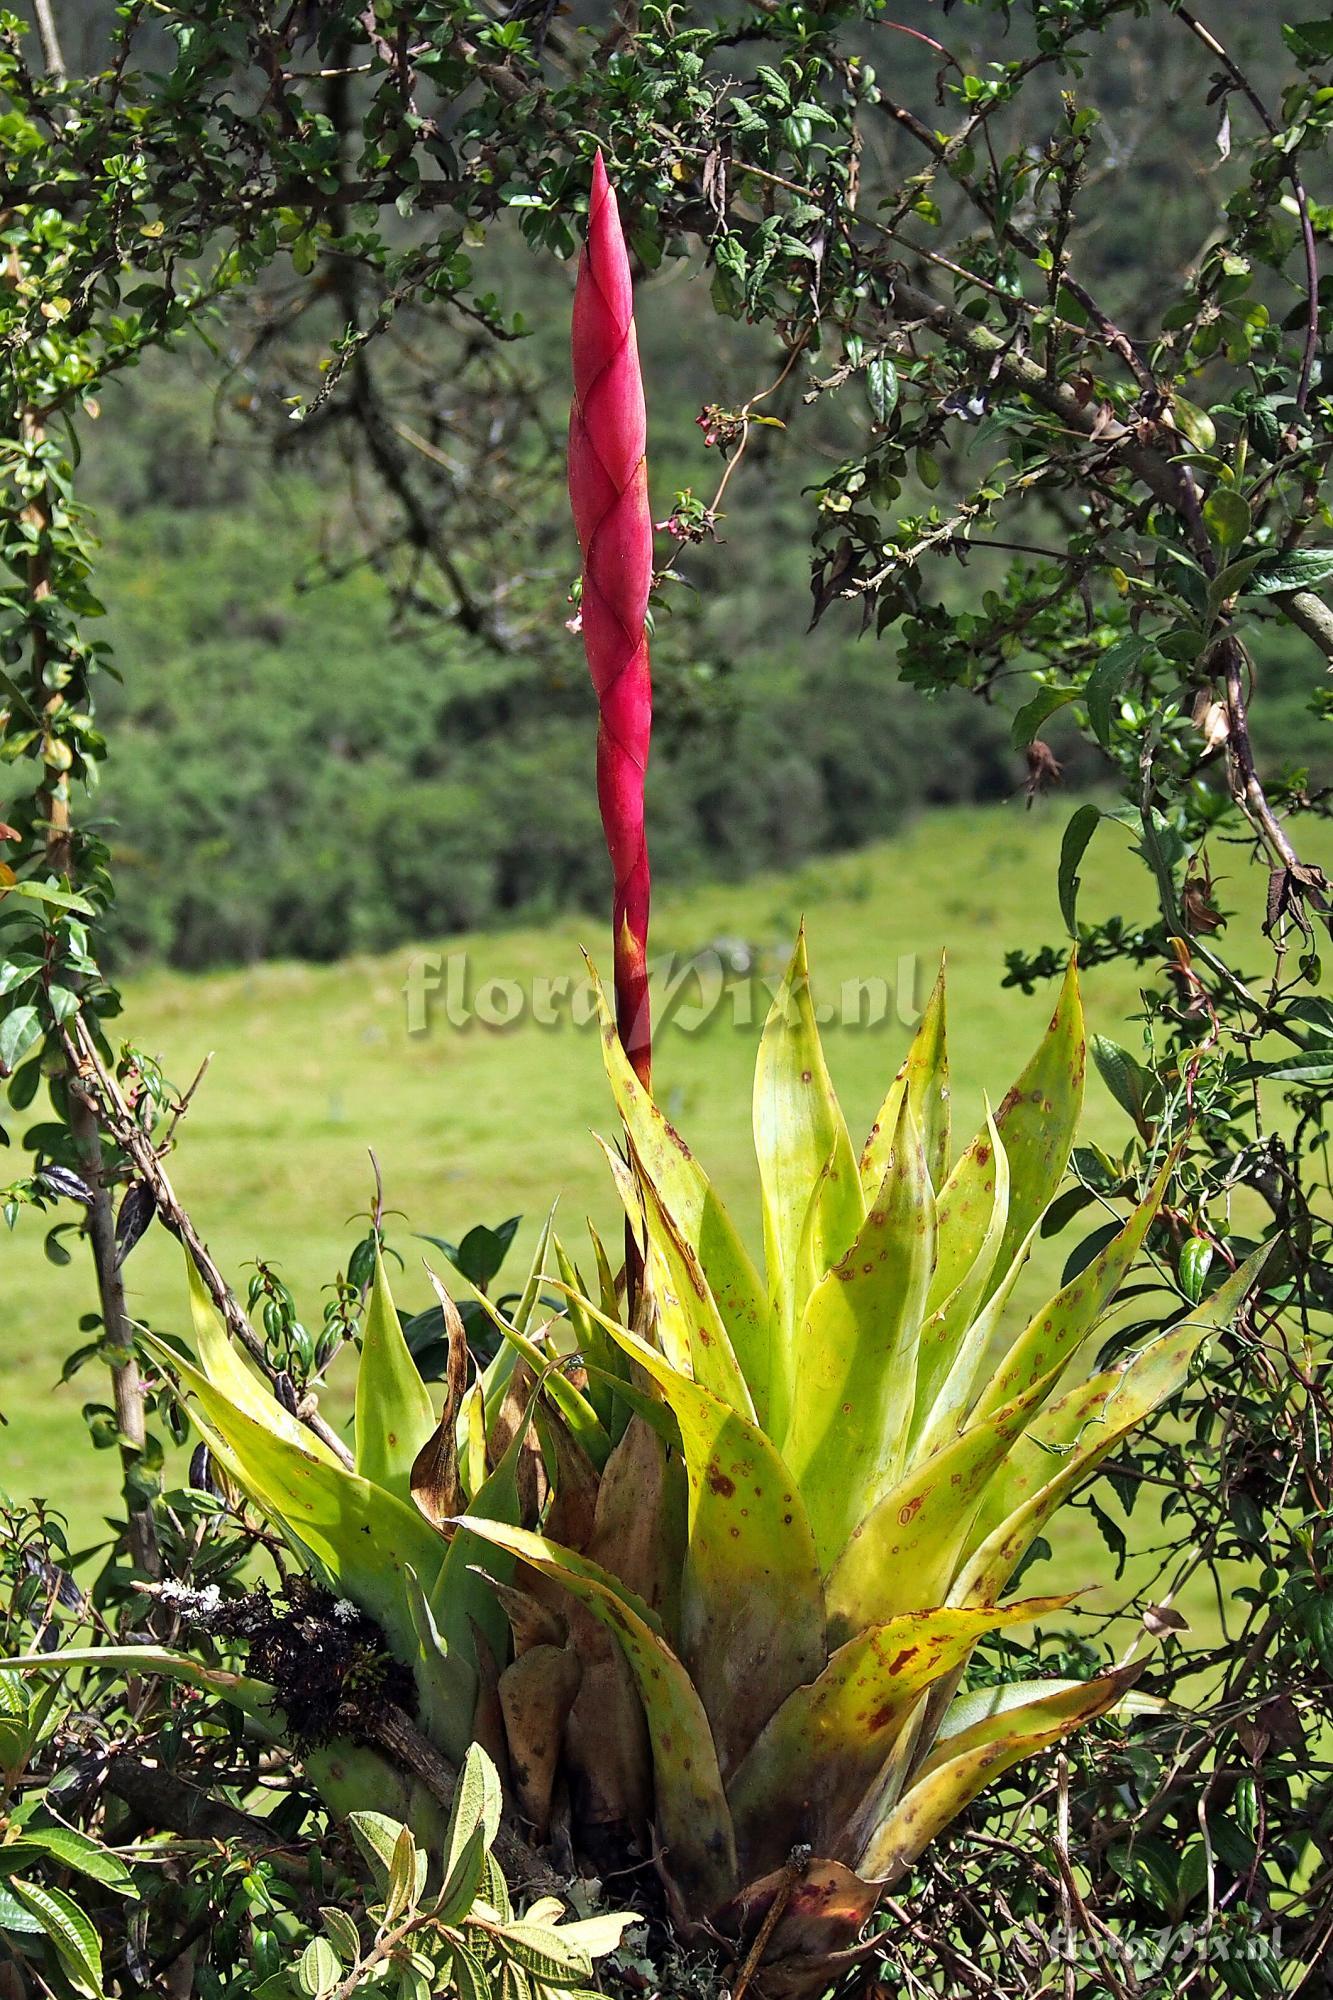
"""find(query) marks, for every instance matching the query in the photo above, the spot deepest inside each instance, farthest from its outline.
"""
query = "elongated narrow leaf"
(1064, 1322)
(752, 1610)
(70, 1929)
(945, 1787)
(904, 1555)
(572, 1404)
(923, 1081)
(858, 1352)
(683, 1296)
(809, 1183)
(952, 1407)
(973, 1216)
(984, 1705)
(364, 1536)
(496, 1375)
(813, 1763)
(692, 1819)
(592, 1343)
(1039, 1117)
(973, 1212)
(463, 1600)
(227, 1369)
(696, 1209)
(1071, 1437)
(255, 1698)
(446, 1682)
(394, 1414)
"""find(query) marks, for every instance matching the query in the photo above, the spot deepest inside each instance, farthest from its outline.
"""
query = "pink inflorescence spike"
(608, 490)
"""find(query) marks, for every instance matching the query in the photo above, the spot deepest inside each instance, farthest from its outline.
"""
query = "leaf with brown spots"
(436, 1481)
(752, 1610)
(809, 1183)
(687, 1311)
(973, 1213)
(697, 1211)
(858, 1352)
(947, 1784)
(1072, 1436)
(1039, 1117)
(691, 1815)
(905, 1553)
(1065, 1321)
(924, 1081)
(811, 1766)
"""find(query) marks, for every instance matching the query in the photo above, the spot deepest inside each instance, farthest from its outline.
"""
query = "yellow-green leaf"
(813, 1763)
(693, 1822)
(1071, 1437)
(1039, 1117)
(903, 1556)
(700, 1217)
(394, 1414)
(226, 1368)
(858, 1351)
(924, 1081)
(686, 1307)
(363, 1535)
(809, 1184)
(943, 1788)
(1064, 1322)
(752, 1610)
(973, 1214)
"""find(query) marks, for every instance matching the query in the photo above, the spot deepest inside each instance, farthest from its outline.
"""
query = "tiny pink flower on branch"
(608, 490)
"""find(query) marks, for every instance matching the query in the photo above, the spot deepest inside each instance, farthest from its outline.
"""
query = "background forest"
(311, 760)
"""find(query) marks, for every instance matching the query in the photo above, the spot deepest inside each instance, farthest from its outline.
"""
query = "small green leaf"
(343, 1933)
(545, 1953)
(1194, 423)
(71, 1933)
(1045, 703)
(377, 1836)
(318, 1970)
(1226, 514)
(20, 1032)
(881, 388)
(1077, 834)
(1107, 679)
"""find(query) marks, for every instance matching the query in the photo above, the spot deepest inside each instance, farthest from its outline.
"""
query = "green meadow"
(472, 1122)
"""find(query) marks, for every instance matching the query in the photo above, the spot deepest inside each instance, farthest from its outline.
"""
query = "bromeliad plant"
(710, 1572)
(715, 1577)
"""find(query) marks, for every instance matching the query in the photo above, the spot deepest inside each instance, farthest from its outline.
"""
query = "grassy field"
(314, 1065)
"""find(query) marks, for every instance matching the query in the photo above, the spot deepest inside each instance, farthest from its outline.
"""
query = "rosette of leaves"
(831, 1474)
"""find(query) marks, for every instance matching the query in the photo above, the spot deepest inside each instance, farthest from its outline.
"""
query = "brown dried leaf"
(536, 1695)
(436, 1483)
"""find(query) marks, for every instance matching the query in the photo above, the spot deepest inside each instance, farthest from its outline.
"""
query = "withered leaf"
(136, 1212)
(436, 1483)
(536, 1695)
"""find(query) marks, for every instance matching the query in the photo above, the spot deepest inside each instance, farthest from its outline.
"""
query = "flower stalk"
(608, 490)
